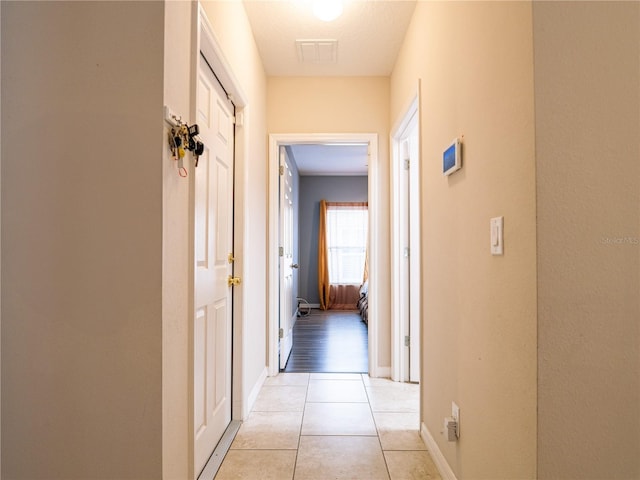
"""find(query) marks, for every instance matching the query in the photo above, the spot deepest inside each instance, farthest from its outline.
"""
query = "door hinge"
(281, 333)
(407, 163)
(407, 340)
(280, 251)
(407, 252)
(281, 169)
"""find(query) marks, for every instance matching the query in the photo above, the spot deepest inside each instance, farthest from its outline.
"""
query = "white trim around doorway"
(399, 353)
(275, 141)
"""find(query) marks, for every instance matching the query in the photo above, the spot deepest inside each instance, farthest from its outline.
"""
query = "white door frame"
(399, 356)
(205, 41)
(275, 141)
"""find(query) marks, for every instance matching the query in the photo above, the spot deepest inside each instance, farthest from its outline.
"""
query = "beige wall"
(82, 240)
(176, 431)
(109, 233)
(0, 238)
(475, 62)
(587, 85)
(343, 105)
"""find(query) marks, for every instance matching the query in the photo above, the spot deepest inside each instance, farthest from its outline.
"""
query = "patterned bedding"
(362, 304)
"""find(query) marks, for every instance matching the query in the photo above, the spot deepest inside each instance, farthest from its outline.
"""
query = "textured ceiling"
(346, 159)
(369, 34)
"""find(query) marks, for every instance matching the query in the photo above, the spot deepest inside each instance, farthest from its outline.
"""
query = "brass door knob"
(233, 281)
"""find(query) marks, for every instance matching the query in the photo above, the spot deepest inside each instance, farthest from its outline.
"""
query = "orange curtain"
(323, 258)
(335, 296)
(344, 297)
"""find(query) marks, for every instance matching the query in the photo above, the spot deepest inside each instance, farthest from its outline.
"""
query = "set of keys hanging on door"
(183, 138)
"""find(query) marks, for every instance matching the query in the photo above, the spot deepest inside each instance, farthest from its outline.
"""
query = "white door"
(213, 243)
(287, 302)
(415, 293)
(407, 265)
(404, 290)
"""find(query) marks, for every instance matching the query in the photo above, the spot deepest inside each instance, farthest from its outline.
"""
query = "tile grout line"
(304, 409)
(373, 417)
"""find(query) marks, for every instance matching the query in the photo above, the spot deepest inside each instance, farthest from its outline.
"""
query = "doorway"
(276, 142)
(215, 346)
(212, 184)
(405, 246)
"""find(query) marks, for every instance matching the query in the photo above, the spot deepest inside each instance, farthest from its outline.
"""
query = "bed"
(363, 302)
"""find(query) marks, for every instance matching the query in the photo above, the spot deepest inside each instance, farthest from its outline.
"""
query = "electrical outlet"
(455, 414)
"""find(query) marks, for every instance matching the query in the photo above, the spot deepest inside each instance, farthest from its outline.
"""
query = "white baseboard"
(438, 458)
(253, 395)
(380, 372)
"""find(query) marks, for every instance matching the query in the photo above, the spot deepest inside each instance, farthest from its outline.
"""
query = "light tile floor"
(330, 426)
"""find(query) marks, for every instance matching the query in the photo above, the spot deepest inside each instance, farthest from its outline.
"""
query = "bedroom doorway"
(291, 142)
(405, 247)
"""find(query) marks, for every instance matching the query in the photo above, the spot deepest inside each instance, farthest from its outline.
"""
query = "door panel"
(219, 340)
(200, 336)
(213, 237)
(202, 213)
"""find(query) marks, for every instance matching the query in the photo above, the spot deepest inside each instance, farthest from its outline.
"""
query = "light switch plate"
(171, 117)
(455, 414)
(497, 226)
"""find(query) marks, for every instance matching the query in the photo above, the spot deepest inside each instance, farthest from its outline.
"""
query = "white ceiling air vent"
(317, 51)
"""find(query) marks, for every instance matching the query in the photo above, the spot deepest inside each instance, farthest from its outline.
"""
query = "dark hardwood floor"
(333, 341)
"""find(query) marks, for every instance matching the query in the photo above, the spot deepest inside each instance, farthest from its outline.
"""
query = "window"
(346, 242)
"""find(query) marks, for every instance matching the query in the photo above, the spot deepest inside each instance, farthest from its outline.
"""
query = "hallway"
(337, 426)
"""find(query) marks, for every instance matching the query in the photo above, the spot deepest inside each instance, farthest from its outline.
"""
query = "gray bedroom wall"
(312, 190)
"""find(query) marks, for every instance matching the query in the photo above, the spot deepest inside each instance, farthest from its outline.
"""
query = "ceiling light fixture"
(327, 10)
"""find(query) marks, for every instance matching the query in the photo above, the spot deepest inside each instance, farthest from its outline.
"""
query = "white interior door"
(287, 302)
(404, 290)
(213, 242)
(406, 262)
(415, 293)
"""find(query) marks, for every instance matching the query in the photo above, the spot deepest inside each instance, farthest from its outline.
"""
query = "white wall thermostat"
(452, 157)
